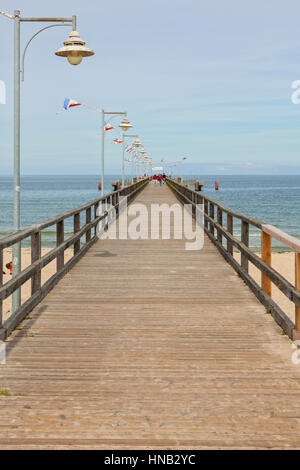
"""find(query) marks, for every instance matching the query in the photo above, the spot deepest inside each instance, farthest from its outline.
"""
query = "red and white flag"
(108, 127)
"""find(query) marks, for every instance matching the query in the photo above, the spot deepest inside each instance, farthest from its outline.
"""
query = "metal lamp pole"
(104, 113)
(129, 136)
(125, 125)
(74, 50)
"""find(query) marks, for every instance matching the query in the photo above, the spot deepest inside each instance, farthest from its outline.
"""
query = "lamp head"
(125, 124)
(74, 49)
(137, 143)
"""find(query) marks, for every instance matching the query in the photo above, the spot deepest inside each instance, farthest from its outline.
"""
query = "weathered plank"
(146, 345)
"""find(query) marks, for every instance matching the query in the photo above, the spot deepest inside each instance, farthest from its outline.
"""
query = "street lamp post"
(74, 49)
(137, 144)
(125, 125)
(114, 114)
(129, 136)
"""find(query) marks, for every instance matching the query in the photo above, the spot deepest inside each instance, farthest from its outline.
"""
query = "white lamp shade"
(74, 49)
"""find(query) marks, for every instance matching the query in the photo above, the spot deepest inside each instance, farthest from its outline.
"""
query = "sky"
(207, 80)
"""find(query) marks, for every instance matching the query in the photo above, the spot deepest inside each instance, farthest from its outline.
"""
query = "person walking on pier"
(160, 179)
(155, 178)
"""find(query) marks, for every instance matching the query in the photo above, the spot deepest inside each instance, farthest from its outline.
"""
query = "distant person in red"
(155, 178)
(160, 179)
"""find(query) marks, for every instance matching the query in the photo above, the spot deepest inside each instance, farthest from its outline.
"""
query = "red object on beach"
(10, 267)
(99, 186)
(216, 185)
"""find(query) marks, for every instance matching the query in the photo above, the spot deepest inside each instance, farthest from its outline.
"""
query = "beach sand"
(282, 262)
(47, 272)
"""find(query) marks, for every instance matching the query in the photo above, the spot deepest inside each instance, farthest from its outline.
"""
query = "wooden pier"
(143, 344)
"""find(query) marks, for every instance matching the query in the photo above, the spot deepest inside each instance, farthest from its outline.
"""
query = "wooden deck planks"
(153, 347)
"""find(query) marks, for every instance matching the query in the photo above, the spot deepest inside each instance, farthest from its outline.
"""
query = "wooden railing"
(82, 239)
(220, 230)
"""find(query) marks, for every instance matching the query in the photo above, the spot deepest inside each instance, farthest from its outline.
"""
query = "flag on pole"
(128, 148)
(117, 141)
(68, 103)
(108, 127)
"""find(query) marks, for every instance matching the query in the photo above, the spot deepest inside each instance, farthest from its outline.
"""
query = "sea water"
(272, 199)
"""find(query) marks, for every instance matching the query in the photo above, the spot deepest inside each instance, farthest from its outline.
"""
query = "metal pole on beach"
(102, 152)
(16, 254)
(123, 163)
(74, 50)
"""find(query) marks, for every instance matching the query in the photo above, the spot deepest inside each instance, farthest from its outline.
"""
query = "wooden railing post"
(117, 201)
(96, 206)
(205, 212)
(297, 286)
(230, 230)
(1, 284)
(199, 201)
(60, 236)
(35, 256)
(110, 206)
(266, 255)
(104, 208)
(76, 229)
(220, 222)
(245, 240)
(212, 216)
(88, 219)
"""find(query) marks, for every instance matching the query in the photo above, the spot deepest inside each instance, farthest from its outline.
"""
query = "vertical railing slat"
(76, 230)
(205, 212)
(60, 236)
(230, 230)
(297, 286)
(212, 216)
(1, 284)
(96, 206)
(220, 222)
(266, 255)
(88, 217)
(36, 250)
(245, 240)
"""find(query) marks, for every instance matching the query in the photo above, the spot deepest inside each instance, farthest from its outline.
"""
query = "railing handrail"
(17, 237)
(109, 202)
(283, 237)
(268, 273)
(251, 220)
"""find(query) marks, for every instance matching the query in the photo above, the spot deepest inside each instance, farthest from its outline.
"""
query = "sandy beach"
(47, 272)
(282, 262)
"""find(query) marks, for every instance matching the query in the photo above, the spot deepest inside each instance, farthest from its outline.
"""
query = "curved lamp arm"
(115, 116)
(32, 37)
